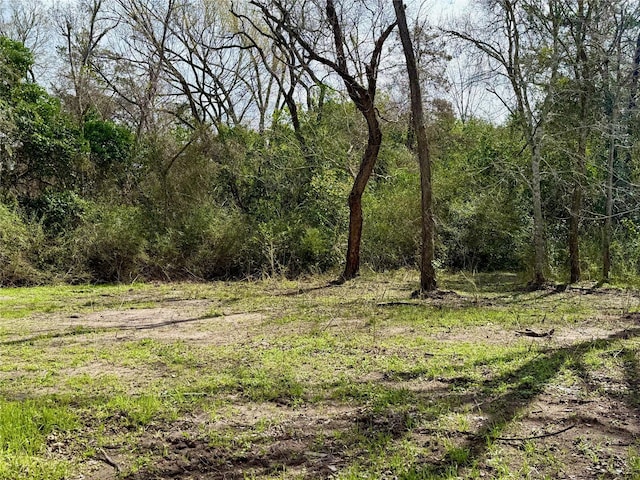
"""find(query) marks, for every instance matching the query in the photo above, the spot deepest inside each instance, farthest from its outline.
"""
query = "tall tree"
(580, 22)
(356, 60)
(427, 272)
(521, 39)
(621, 71)
(40, 148)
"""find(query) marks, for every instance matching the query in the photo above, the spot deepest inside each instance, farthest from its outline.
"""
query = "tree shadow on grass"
(50, 335)
(302, 291)
(525, 384)
(375, 416)
(349, 439)
(632, 376)
(81, 330)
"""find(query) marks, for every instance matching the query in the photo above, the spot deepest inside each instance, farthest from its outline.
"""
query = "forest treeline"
(205, 139)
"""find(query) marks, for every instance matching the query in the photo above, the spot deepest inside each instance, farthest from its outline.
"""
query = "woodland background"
(174, 139)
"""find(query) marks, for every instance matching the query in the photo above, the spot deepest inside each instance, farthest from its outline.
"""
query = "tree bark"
(606, 234)
(352, 265)
(538, 219)
(635, 76)
(574, 235)
(576, 208)
(427, 272)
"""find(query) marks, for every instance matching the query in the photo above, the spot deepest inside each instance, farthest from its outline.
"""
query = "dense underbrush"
(72, 240)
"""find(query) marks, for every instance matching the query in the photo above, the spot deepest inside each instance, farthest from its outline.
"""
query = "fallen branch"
(544, 435)
(102, 456)
(396, 304)
(530, 333)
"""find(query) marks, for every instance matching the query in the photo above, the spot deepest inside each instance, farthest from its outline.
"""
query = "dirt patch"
(162, 323)
(574, 437)
(287, 445)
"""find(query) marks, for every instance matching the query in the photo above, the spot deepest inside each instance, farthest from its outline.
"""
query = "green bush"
(206, 242)
(111, 243)
(625, 249)
(485, 233)
(318, 249)
(391, 226)
(57, 212)
(18, 241)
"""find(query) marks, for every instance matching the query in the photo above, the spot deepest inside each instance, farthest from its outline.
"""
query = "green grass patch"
(25, 427)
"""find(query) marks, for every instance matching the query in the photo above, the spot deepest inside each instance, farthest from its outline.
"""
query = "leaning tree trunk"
(427, 272)
(355, 197)
(278, 16)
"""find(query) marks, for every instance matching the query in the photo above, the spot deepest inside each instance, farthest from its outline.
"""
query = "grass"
(25, 428)
(292, 379)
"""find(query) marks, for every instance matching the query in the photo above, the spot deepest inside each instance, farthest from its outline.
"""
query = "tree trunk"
(635, 77)
(427, 272)
(369, 158)
(576, 208)
(538, 221)
(606, 234)
(584, 78)
(352, 265)
(574, 227)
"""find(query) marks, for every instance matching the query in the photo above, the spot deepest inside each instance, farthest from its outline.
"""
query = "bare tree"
(289, 71)
(355, 58)
(83, 26)
(187, 47)
(467, 76)
(131, 64)
(511, 31)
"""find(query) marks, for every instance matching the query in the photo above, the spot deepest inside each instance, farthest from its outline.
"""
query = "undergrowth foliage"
(19, 242)
(222, 211)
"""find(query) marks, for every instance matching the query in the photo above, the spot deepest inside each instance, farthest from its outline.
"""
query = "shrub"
(18, 239)
(625, 249)
(206, 241)
(482, 234)
(391, 227)
(57, 212)
(111, 243)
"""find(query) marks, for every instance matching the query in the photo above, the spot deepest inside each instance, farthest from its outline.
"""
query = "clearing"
(299, 379)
